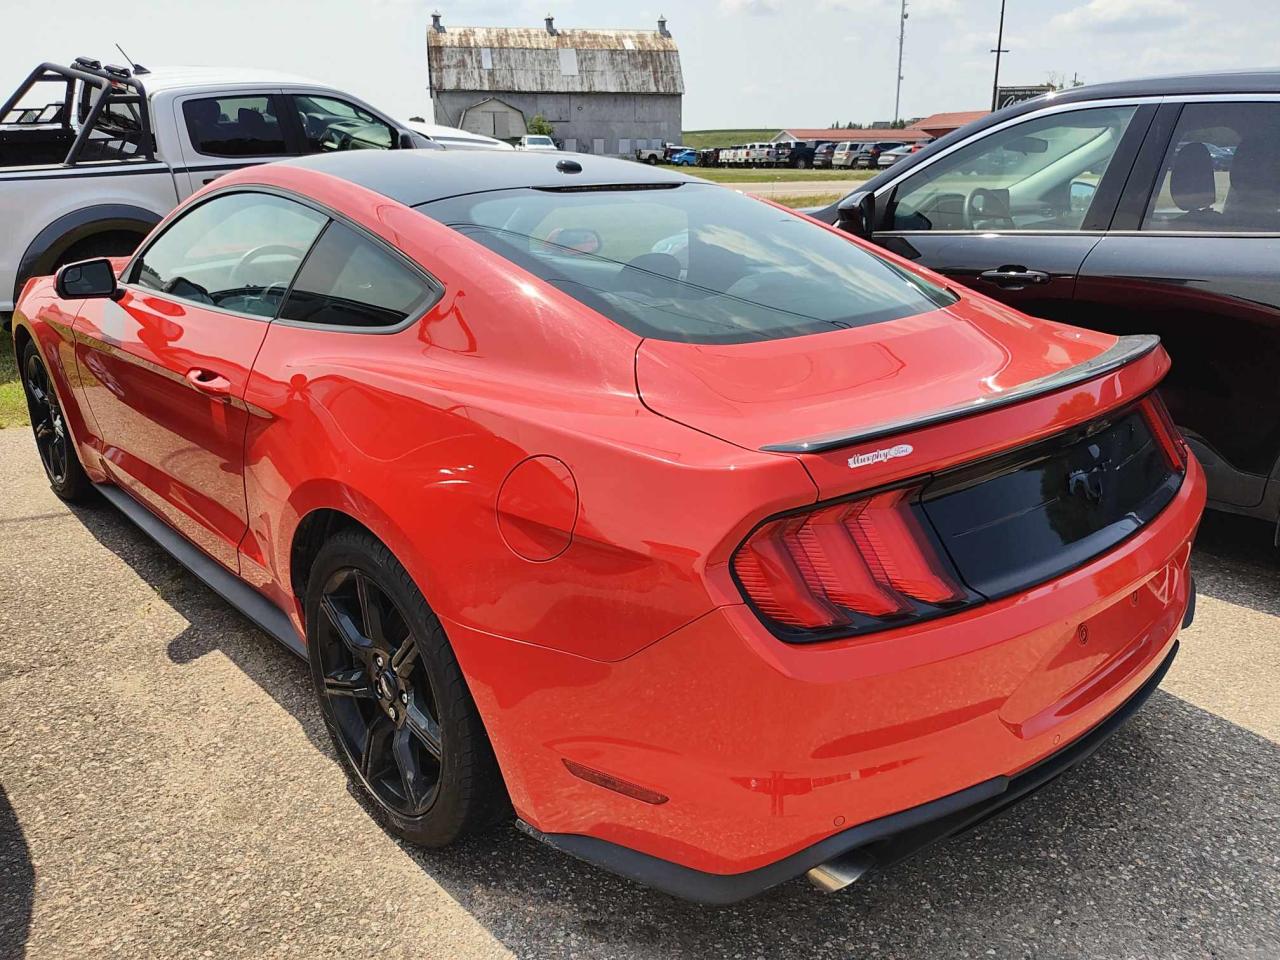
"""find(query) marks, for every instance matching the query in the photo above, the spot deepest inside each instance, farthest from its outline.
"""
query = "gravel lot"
(167, 790)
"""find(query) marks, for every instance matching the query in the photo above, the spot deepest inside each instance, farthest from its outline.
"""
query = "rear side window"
(691, 263)
(234, 126)
(350, 281)
(1220, 173)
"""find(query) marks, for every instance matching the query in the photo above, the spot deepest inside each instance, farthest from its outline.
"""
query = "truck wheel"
(651, 160)
(113, 243)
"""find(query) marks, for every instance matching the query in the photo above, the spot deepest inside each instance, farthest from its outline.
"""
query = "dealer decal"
(880, 456)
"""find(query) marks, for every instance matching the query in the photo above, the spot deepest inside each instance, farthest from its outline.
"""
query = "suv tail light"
(849, 567)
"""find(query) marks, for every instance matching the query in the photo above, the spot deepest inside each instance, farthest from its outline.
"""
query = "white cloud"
(753, 7)
(1122, 16)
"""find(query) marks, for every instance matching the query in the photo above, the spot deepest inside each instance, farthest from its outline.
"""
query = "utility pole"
(902, 35)
(995, 83)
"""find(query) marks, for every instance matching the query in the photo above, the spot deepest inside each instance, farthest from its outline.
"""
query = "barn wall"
(584, 117)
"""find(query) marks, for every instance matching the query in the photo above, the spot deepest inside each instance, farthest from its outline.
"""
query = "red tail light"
(849, 567)
(1166, 434)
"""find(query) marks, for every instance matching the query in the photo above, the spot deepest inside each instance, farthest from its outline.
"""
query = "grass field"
(807, 199)
(731, 175)
(725, 138)
(13, 405)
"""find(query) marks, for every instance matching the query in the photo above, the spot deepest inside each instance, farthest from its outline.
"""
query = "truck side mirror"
(89, 279)
(856, 213)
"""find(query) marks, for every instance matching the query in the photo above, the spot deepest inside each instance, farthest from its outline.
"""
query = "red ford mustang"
(720, 546)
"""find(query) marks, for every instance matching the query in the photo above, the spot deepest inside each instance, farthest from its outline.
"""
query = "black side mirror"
(856, 213)
(89, 279)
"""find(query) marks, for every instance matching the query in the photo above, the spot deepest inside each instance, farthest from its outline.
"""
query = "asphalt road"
(166, 790)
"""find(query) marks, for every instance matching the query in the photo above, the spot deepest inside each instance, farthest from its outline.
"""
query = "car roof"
(158, 79)
(414, 177)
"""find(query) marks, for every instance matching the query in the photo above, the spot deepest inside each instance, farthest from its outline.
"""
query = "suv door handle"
(1014, 275)
(210, 383)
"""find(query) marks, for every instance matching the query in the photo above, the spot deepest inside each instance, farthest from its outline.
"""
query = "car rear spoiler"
(1124, 351)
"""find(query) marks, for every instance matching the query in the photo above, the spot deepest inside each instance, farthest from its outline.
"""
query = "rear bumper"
(881, 842)
(771, 753)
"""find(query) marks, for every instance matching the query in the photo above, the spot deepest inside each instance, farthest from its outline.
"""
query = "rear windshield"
(691, 263)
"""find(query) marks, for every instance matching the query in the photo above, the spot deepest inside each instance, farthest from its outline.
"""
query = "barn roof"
(552, 60)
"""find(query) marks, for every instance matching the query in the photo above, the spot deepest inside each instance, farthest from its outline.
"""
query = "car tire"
(54, 442)
(401, 718)
(651, 160)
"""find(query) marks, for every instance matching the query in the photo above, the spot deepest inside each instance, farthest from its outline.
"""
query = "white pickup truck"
(92, 156)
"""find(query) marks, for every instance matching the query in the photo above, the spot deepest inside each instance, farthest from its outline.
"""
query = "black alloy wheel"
(53, 439)
(380, 694)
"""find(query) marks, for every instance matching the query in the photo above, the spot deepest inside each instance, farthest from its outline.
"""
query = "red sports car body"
(740, 584)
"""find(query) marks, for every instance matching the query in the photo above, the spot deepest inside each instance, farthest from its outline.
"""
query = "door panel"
(1014, 213)
(1215, 302)
(1052, 260)
(174, 443)
(165, 367)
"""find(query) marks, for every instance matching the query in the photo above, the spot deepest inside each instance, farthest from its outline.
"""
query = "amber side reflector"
(631, 790)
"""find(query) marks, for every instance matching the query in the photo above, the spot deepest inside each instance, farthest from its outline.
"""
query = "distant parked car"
(889, 157)
(709, 157)
(1149, 206)
(536, 141)
(797, 154)
(822, 155)
(454, 137)
(685, 158)
(868, 156)
(844, 153)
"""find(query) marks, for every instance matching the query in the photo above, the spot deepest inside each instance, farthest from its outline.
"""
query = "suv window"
(1036, 175)
(245, 126)
(238, 252)
(692, 263)
(350, 281)
(329, 124)
(1220, 174)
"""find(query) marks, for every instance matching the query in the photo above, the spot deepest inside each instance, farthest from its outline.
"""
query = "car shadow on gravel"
(1165, 843)
(1246, 561)
(17, 883)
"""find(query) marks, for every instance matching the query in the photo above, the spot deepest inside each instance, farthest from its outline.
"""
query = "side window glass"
(349, 281)
(1220, 174)
(234, 126)
(238, 251)
(1037, 175)
(329, 124)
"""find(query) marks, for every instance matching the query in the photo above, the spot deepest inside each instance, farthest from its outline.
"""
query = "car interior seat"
(1253, 199)
(1192, 186)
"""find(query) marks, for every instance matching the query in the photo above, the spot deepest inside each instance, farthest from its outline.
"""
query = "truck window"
(241, 126)
(330, 124)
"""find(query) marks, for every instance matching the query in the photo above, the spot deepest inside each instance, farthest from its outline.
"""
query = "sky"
(747, 63)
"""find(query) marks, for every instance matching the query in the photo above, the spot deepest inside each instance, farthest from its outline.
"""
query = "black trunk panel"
(1028, 516)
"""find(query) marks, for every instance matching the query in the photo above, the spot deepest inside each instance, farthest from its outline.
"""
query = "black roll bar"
(107, 85)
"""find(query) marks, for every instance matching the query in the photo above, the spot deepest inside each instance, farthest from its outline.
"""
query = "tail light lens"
(849, 568)
(1162, 428)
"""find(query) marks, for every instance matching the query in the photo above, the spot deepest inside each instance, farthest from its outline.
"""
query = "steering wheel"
(265, 250)
(988, 210)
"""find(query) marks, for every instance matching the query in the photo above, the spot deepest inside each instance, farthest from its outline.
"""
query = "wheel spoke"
(422, 725)
(353, 682)
(402, 659)
(346, 628)
(415, 789)
(374, 758)
(370, 609)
